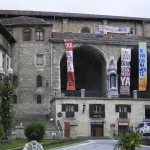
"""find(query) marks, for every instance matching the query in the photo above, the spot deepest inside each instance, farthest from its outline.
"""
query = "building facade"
(40, 70)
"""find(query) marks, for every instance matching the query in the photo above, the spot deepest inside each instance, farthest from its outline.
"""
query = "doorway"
(96, 130)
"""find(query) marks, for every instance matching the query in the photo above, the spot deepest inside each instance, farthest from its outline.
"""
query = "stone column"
(135, 94)
(82, 92)
(65, 25)
(109, 94)
(19, 132)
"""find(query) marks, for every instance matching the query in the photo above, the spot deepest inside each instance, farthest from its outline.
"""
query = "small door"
(96, 130)
(67, 129)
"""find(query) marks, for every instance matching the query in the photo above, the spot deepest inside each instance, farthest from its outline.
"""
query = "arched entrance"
(134, 76)
(89, 69)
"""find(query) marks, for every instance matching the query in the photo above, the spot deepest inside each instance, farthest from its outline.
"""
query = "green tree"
(6, 92)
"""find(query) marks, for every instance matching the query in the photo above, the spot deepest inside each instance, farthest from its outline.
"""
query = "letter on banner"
(125, 71)
(70, 67)
(142, 66)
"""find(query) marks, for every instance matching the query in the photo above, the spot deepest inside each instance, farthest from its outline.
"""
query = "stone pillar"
(19, 132)
(82, 92)
(65, 25)
(109, 94)
(135, 94)
(143, 23)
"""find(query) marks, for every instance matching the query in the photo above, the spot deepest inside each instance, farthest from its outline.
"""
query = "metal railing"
(97, 93)
(123, 115)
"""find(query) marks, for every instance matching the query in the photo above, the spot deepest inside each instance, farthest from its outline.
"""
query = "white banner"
(111, 29)
(125, 71)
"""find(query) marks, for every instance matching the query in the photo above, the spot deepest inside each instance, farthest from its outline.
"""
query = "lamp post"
(84, 106)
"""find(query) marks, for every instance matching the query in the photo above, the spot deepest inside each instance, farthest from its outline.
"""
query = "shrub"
(35, 131)
(128, 141)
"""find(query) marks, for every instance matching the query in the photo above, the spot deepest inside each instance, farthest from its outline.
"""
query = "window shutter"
(128, 108)
(91, 107)
(63, 107)
(117, 108)
(76, 107)
(103, 111)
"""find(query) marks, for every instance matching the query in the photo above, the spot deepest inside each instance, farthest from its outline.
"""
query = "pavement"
(94, 144)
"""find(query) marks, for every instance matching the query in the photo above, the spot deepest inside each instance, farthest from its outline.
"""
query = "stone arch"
(134, 70)
(89, 67)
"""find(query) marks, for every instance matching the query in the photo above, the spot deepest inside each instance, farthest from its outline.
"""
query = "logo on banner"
(70, 67)
(142, 66)
(125, 71)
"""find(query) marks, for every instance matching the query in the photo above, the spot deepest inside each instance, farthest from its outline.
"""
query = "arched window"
(39, 81)
(113, 81)
(39, 34)
(85, 30)
(15, 80)
(27, 34)
(14, 99)
(39, 99)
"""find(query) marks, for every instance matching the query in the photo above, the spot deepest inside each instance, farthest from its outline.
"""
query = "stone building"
(40, 70)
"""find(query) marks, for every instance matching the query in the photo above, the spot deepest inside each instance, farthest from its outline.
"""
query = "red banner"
(70, 67)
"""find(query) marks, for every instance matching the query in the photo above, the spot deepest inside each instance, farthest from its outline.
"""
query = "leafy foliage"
(36, 129)
(1, 131)
(6, 92)
(128, 141)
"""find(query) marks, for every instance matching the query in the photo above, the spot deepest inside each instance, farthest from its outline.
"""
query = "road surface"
(96, 145)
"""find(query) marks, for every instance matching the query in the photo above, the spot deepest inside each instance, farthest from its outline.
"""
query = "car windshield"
(140, 125)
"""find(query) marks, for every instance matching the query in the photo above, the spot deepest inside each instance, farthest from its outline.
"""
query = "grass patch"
(47, 144)
(18, 143)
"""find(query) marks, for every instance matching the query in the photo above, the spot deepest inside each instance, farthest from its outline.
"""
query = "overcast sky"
(132, 8)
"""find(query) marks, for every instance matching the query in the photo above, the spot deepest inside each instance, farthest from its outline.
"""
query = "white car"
(143, 127)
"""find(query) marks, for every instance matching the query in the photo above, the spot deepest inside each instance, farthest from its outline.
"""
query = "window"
(113, 81)
(14, 99)
(39, 81)
(39, 99)
(27, 34)
(97, 110)
(85, 30)
(123, 108)
(7, 63)
(39, 35)
(69, 109)
(3, 63)
(15, 80)
(147, 111)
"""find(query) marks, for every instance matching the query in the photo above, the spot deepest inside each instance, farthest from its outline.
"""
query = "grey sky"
(133, 8)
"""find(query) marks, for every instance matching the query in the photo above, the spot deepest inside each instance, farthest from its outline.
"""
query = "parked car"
(143, 127)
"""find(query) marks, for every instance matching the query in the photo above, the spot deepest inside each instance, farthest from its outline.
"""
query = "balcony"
(123, 115)
(69, 114)
(97, 115)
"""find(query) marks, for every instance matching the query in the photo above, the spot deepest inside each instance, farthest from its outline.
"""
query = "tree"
(6, 92)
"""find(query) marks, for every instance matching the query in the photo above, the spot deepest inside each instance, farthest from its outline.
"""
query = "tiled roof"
(23, 20)
(9, 13)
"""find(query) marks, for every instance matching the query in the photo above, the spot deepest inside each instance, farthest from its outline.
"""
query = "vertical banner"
(125, 71)
(142, 66)
(70, 67)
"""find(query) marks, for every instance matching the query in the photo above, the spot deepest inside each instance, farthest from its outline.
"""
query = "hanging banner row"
(126, 69)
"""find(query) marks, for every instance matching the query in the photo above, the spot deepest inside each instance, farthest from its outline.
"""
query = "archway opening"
(89, 70)
(134, 75)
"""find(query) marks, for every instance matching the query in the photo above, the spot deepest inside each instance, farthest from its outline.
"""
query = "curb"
(68, 145)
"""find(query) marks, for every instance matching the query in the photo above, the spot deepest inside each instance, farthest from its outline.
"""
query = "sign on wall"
(125, 71)
(142, 66)
(111, 29)
(70, 67)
